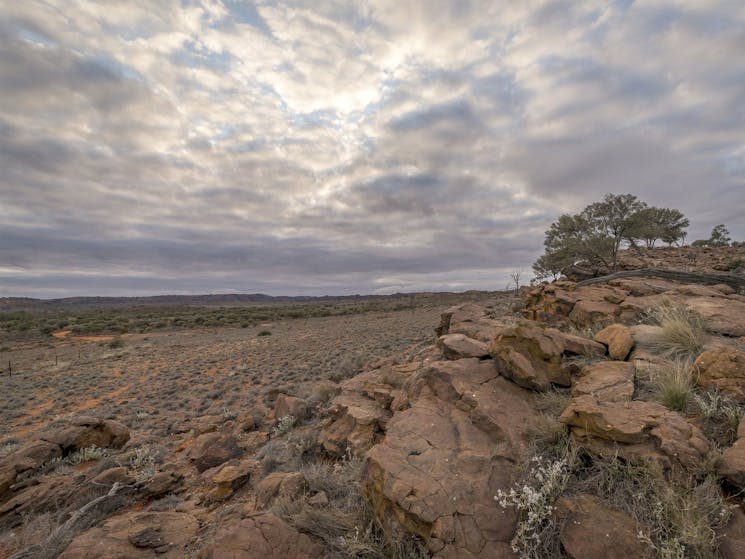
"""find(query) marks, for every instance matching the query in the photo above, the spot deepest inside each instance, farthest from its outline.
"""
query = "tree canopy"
(596, 234)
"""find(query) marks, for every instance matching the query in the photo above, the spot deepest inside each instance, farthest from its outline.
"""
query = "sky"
(310, 148)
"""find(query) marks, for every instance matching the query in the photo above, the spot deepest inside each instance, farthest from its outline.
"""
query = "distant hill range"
(11, 304)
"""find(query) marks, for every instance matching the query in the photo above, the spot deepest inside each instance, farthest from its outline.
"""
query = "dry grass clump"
(681, 334)
(347, 525)
(720, 416)
(549, 437)
(677, 519)
(673, 384)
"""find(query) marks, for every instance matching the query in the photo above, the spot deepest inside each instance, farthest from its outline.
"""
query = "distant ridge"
(229, 299)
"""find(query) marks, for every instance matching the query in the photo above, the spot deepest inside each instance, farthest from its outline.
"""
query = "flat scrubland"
(157, 381)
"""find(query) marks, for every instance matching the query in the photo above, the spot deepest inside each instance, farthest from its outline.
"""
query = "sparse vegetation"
(347, 525)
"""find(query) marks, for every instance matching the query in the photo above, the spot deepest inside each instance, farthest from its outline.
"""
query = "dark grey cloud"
(298, 147)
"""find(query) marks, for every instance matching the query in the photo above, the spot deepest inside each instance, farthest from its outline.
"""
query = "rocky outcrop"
(78, 433)
(470, 320)
(624, 300)
(84, 432)
(590, 529)
(230, 477)
(530, 355)
(445, 457)
(361, 411)
(637, 428)
(138, 535)
(722, 368)
(262, 536)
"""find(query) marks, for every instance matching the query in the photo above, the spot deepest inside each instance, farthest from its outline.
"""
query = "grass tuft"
(681, 334)
(673, 384)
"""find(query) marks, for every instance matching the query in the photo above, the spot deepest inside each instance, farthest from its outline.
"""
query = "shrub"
(721, 415)
(116, 343)
(536, 534)
(284, 425)
(265, 333)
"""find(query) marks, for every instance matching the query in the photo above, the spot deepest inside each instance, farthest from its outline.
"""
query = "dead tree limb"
(82, 519)
(735, 281)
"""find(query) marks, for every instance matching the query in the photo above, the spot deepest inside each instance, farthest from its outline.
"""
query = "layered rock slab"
(445, 457)
(261, 536)
(140, 535)
(591, 529)
(637, 429)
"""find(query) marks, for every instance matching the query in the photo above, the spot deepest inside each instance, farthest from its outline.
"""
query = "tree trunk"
(735, 281)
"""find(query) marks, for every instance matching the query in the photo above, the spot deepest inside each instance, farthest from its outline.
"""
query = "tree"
(652, 224)
(596, 234)
(719, 236)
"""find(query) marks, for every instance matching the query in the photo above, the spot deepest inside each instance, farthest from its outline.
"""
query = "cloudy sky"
(349, 147)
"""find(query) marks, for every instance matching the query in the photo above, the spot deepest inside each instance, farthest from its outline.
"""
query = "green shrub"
(265, 333)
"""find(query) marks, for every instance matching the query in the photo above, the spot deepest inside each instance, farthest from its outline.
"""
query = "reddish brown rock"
(459, 346)
(359, 414)
(470, 320)
(608, 381)
(636, 422)
(212, 449)
(111, 476)
(591, 530)
(262, 536)
(731, 538)
(290, 406)
(444, 458)
(138, 535)
(229, 478)
(163, 483)
(723, 315)
(732, 463)
(278, 484)
(577, 345)
(84, 432)
(530, 355)
(724, 369)
(617, 338)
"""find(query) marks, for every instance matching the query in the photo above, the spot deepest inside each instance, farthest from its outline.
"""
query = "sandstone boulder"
(137, 535)
(84, 432)
(229, 478)
(212, 449)
(617, 338)
(459, 346)
(608, 381)
(652, 426)
(530, 355)
(290, 406)
(262, 536)
(278, 484)
(359, 413)
(444, 459)
(724, 369)
(591, 529)
(470, 320)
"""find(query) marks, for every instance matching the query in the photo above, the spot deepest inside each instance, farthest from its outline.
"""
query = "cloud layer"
(337, 147)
